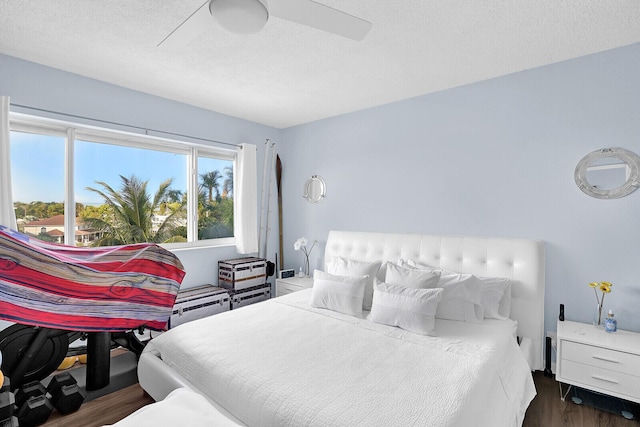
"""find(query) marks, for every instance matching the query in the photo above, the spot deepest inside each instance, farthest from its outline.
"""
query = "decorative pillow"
(343, 294)
(348, 267)
(496, 291)
(408, 308)
(411, 277)
(461, 298)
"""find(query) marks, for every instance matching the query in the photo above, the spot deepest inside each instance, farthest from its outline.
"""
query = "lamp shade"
(240, 16)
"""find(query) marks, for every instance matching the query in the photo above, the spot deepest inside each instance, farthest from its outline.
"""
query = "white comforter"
(283, 363)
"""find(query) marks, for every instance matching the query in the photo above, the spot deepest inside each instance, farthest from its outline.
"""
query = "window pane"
(215, 201)
(37, 181)
(130, 195)
(127, 188)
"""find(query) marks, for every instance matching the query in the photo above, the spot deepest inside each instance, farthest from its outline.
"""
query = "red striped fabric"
(113, 288)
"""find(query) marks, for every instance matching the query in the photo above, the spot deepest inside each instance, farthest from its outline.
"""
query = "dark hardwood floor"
(107, 409)
(546, 410)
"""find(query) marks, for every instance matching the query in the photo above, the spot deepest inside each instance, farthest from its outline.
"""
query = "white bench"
(182, 407)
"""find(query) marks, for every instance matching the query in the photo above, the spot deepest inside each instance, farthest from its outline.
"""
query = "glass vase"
(306, 267)
(597, 318)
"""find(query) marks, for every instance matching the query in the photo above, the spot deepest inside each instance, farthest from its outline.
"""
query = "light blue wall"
(50, 89)
(494, 158)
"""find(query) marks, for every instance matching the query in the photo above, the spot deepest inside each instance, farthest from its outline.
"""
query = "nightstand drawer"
(292, 284)
(600, 379)
(602, 358)
(286, 288)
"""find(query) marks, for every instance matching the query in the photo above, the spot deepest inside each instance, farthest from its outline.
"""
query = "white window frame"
(74, 131)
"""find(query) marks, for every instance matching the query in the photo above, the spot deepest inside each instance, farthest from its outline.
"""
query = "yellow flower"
(605, 288)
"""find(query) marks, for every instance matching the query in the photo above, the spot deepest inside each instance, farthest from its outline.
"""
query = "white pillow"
(348, 267)
(496, 297)
(411, 277)
(461, 298)
(496, 291)
(409, 263)
(408, 308)
(343, 294)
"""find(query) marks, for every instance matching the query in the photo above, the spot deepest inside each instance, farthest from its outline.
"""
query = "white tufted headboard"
(518, 259)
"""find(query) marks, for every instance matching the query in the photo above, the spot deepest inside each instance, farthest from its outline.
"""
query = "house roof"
(288, 73)
(57, 220)
(54, 221)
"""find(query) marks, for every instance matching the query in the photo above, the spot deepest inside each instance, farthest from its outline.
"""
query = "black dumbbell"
(65, 393)
(10, 422)
(33, 404)
(35, 411)
(30, 389)
(7, 405)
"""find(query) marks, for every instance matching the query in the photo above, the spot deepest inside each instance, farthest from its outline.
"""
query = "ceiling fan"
(250, 16)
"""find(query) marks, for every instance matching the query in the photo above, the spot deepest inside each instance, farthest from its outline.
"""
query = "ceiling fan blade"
(189, 29)
(321, 17)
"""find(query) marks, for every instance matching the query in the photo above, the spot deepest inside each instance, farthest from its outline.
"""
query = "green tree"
(173, 200)
(45, 237)
(210, 182)
(102, 212)
(54, 209)
(132, 209)
(215, 220)
(38, 209)
(20, 209)
(227, 185)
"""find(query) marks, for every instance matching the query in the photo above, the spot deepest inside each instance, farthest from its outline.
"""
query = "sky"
(37, 168)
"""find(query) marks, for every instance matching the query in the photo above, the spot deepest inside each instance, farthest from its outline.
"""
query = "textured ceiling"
(289, 74)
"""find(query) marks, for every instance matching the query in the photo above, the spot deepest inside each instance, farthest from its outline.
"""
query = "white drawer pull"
(606, 359)
(598, 377)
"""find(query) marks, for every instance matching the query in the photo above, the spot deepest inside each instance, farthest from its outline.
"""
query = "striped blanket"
(113, 288)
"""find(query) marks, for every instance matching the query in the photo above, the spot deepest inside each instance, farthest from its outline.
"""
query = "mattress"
(284, 363)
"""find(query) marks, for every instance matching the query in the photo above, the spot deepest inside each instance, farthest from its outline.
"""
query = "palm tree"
(173, 196)
(227, 186)
(214, 219)
(173, 199)
(132, 210)
(210, 182)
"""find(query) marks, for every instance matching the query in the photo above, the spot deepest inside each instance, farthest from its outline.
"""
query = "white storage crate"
(198, 302)
(242, 273)
(250, 296)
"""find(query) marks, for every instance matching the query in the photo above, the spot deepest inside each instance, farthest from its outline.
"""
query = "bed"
(284, 362)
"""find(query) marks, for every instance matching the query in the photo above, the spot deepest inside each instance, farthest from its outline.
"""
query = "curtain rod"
(146, 130)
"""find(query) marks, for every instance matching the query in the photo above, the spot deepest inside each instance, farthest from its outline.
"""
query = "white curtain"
(7, 215)
(245, 203)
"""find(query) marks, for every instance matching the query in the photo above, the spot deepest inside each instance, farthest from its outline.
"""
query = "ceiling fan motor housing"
(240, 16)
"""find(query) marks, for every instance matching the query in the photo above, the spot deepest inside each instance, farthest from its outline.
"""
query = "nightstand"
(292, 284)
(593, 359)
